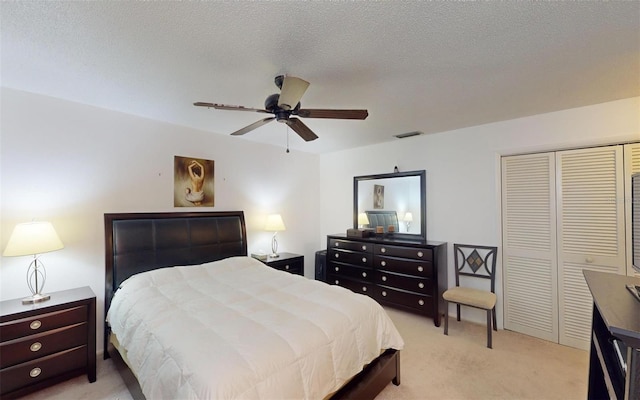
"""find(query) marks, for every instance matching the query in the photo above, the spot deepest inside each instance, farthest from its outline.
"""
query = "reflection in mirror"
(396, 200)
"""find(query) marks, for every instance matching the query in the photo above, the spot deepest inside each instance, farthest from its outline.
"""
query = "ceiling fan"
(286, 105)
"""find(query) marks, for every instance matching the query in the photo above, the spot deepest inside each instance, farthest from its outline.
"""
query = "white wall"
(463, 170)
(70, 163)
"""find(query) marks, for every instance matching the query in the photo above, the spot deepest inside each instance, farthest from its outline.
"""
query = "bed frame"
(139, 242)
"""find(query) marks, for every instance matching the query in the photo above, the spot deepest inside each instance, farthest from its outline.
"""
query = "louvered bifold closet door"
(529, 245)
(631, 166)
(590, 232)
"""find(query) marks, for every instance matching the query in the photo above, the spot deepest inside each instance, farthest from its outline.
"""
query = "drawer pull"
(364, 274)
(35, 346)
(286, 266)
(383, 263)
(420, 269)
(35, 324)
(421, 285)
(336, 244)
(420, 254)
(364, 247)
(337, 282)
(35, 372)
(364, 259)
(337, 268)
(421, 302)
(383, 250)
(364, 288)
(384, 293)
(384, 278)
(337, 255)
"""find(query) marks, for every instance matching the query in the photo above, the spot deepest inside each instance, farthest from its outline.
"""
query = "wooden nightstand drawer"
(48, 342)
(41, 323)
(41, 369)
(289, 262)
(42, 344)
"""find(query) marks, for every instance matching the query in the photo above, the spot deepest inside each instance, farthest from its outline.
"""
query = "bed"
(288, 342)
(383, 219)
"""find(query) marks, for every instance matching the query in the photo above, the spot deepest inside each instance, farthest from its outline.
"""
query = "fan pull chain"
(287, 138)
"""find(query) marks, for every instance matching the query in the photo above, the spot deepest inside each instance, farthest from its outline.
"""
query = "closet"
(563, 212)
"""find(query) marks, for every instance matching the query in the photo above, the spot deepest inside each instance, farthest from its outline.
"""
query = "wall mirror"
(397, 199)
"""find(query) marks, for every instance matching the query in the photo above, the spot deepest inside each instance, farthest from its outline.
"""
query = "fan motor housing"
(271, 103)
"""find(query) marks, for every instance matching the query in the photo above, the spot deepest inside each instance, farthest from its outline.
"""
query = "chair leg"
(489, 329)
(446, 317)
(495, 323)
(458, 310)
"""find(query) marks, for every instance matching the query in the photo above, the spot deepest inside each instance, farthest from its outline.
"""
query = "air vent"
(408, 134)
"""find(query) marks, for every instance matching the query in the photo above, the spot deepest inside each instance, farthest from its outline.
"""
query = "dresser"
(407, 274)
(614, 358)
(45, 343)
(289, 262)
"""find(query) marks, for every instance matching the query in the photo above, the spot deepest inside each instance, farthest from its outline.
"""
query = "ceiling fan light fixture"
(292, 90)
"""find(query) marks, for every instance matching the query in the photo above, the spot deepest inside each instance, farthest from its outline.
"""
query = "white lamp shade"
(362, 219)
(32, 238)
(408, 217)
(274, 223)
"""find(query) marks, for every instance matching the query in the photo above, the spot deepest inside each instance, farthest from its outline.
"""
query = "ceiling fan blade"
(253, 126)
(301, 129)
(227, 107)
(336, 114)
(292, 90)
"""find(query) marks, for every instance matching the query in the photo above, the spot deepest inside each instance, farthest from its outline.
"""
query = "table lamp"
(33, 238)
(408, 218)
(274, 223)
(363, 220)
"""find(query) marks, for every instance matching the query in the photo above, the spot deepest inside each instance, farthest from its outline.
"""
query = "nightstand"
(45, 343)
(293, 263)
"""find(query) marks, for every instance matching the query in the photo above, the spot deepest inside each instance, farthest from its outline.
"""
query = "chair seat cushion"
(471, 297)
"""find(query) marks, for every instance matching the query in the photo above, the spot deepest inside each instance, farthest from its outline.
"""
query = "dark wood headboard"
(139, 242)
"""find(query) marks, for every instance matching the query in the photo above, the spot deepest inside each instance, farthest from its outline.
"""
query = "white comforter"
(239, 329)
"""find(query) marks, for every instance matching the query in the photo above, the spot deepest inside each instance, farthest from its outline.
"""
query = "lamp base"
(274, 255)
(36, 298)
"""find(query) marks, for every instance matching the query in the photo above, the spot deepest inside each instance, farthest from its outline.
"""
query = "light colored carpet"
(434, 366)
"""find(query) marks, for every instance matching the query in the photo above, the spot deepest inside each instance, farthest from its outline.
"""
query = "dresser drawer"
(404, 266)
(349, 245)
(42, 344)
(422, 303)
(41, 323)
(349, 271)
(404, 252)
(353, 285)
(350, 257)
(404, 282)
(293, 266)
(29, 373)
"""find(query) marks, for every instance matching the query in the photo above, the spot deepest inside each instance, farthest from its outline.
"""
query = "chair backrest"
(475, 261)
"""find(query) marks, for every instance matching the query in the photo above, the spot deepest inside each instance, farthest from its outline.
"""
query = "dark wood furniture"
(140, 242)
(289, 262)
(615, 337)
(409, 274)
(45, 343)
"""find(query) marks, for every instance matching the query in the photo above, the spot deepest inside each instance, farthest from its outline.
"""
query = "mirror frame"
(422, 174)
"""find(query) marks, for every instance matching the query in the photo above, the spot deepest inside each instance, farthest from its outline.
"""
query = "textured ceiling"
(427, 66)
